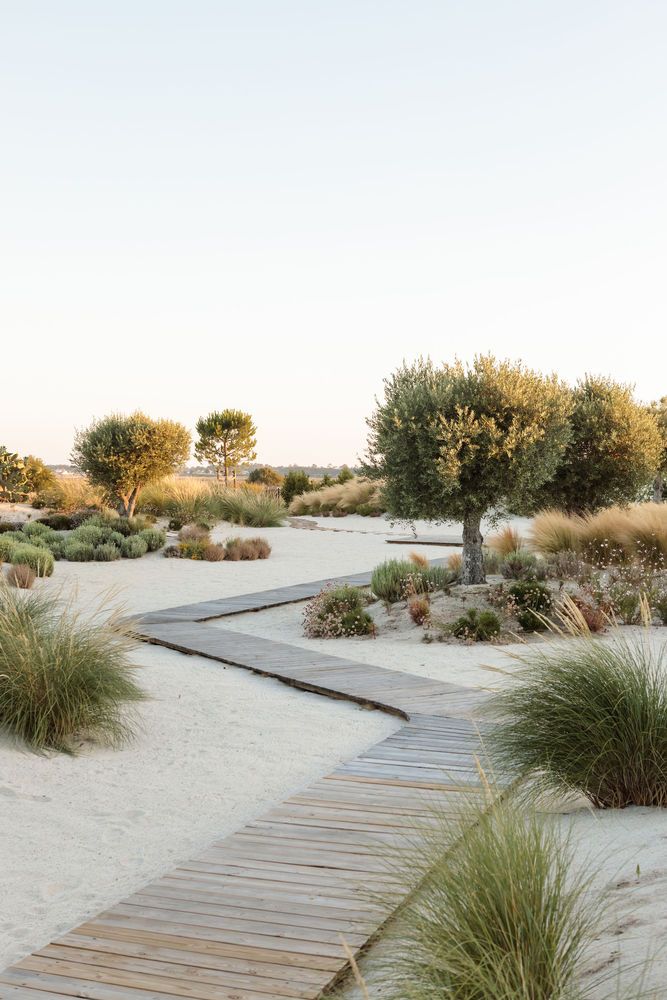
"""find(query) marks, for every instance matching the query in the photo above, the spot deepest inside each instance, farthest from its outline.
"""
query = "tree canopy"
(226, 439)
(613, 453)
(265, 476)
(122, 454)
(461, 442)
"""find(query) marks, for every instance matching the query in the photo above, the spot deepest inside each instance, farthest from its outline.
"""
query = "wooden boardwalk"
(261, 914)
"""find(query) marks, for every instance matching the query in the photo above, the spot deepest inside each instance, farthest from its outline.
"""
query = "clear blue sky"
(269, 205)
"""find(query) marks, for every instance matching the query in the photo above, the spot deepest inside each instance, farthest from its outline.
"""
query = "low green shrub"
(476, 626)
(7, 546)
(10, 526)
(134, 547)
(522, 565)
(59, 522)
(528, 601)
(590, 717)
(40, 560)
(36, 529)
(107, 552)
(192, 550)
(337, 612)
(154, 538)
(62, 678)
(75, 551)
(90, 534)
(396, 579)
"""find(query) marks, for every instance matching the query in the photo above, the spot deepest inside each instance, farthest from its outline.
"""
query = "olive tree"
(122, 454)
(225, 440)
(614, 450)
(462, 442)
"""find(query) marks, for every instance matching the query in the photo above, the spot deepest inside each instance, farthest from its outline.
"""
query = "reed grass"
(357, 495)
(608, 537)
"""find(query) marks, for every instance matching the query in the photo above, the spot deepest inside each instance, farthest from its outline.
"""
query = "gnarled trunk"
(472, 569)
(658, 486)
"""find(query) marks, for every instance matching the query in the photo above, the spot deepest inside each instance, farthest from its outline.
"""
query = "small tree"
(345, 475)
(461, 442)
(265, 476)
(226, 439)
(123, 454)
(295, 483)
(13, 483)
(659, 411)
(38, 475)
(613, 452)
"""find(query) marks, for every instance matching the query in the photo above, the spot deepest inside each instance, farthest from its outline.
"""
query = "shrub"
(528, 601)
(107, 552)
(40, 560)
(419, 608)
(21, 576)
(260, 547)
(90, 534)
(154, 538)
(214, 552)
(192, 550)
(593, 616)
(507, 541)
(501, 913)
(590, 718)
(59, 522)
(234, 549)
(395, 579)
(265, 476)
(522, 565)
(134, 547)
(36, 529)
(336, 612)
(62, 678)
(295, 483)
(193, 533)
(567, 565)
(492, 561)
(6, 526)
(477, 626)
(79, 551)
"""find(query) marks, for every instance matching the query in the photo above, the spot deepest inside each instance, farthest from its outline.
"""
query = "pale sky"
(268, 205)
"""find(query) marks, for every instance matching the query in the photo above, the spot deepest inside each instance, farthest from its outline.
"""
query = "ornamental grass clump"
(396, 579)
(21, 576)
(63, 678)
(502, 913)
(251, 508)
(589, 717)
(337, 612)
(507, 541)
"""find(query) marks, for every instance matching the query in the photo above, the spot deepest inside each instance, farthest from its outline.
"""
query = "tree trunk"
(658, 484)
(217, 473)
(472, 569)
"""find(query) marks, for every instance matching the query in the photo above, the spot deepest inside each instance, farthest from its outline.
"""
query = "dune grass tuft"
(591, 717)
(506, 542)
(397, 579)
(63, 678)
(501, 913)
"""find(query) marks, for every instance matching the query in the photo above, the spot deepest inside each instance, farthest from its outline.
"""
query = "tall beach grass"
(62, 677)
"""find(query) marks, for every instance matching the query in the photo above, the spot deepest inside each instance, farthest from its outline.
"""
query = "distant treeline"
(313, 471)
